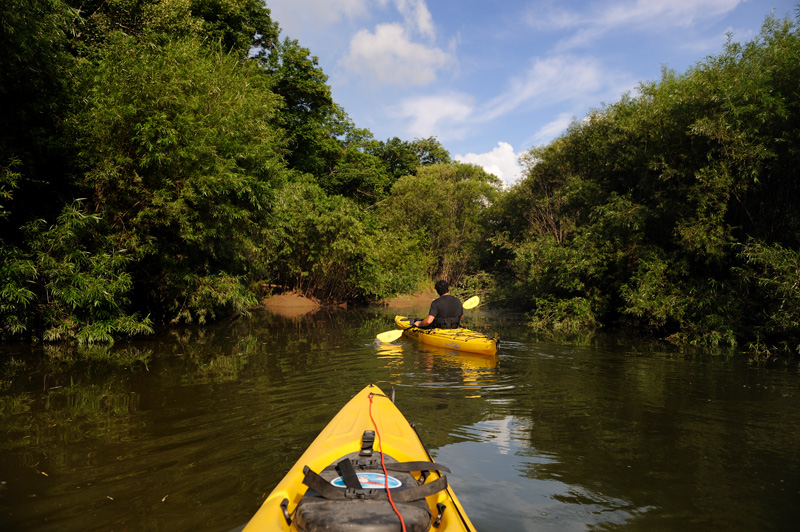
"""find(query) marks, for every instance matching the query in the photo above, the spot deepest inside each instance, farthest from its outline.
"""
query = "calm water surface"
(612, 436)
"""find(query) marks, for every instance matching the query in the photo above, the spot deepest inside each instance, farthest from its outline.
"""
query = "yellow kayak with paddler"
(460, 339)
(367, 471)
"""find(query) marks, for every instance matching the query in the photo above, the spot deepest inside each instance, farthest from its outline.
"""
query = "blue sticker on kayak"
(370, 481)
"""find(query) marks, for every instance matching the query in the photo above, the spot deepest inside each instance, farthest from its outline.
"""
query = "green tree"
(322, 139)
(241, 27)
(35, 93)
(664, 209)
(402, 157)
(330, 247)
(444, 207)
(72, 284)
(308, 106)
(149, 150)
(181, 159)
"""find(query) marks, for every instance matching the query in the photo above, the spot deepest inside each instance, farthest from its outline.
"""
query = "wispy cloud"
(581, 83)
(638, 15)
(318, 14)
(552, 129)
(417, 16)
(701, 46)
(389, 57)
(442, 115)
(547, 81)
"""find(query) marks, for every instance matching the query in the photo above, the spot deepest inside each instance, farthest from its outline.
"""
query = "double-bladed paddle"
(391, 336)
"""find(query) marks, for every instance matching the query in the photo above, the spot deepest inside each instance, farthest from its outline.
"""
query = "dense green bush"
(674, 209)
(445, 208)
(180, 127)
(165, 160)
(71, 284)
(332, 248)
(181, 161)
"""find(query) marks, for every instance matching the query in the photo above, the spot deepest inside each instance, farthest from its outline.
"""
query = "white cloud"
(501, 161)
(440, 115)
(389, 57)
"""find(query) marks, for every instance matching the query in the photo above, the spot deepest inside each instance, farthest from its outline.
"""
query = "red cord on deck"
(383, 465)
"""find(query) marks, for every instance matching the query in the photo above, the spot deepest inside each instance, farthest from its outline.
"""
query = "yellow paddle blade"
(389, 336)
(471, 302)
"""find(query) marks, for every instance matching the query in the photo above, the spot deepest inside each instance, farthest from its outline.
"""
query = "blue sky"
(491, 79)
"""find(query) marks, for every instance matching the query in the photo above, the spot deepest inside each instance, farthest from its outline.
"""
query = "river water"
(616, 435)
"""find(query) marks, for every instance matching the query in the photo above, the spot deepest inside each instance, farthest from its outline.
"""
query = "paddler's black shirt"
(447, 311)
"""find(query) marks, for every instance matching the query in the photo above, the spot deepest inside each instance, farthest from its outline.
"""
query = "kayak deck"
(293, 505)
(460, 339)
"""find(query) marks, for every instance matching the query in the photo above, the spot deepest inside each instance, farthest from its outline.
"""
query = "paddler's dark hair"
(441, 287)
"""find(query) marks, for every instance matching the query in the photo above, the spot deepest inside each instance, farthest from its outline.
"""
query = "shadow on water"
(198, 425)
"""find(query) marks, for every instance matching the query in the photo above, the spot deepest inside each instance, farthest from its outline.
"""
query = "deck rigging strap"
(405, 467)
(329, 491)
(348, 473)
(367, 440)
(416, 466)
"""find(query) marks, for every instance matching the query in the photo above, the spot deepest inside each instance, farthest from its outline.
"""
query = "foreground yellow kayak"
(367, 468)
(460, 339)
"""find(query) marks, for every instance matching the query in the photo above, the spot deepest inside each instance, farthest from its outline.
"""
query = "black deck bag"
(336, 501)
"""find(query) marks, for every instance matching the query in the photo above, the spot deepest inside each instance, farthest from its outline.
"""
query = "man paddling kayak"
(446, 311)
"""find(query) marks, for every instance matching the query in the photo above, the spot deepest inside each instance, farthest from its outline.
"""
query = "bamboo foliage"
(674, 210)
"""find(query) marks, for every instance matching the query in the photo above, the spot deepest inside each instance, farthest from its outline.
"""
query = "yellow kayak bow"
(365, 470)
